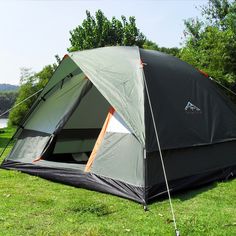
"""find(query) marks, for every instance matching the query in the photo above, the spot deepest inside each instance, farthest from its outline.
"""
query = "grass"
(33, 206)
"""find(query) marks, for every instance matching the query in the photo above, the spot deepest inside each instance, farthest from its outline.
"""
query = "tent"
(93, 125)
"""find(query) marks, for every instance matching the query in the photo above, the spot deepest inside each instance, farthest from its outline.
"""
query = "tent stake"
(145, 207)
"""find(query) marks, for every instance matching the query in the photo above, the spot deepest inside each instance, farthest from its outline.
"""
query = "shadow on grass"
(187, 193)
(191, 193)
(94, 209)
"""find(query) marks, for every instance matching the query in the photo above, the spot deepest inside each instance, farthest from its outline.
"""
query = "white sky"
(32, 32)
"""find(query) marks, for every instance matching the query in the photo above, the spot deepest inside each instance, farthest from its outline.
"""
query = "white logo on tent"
(191, 108)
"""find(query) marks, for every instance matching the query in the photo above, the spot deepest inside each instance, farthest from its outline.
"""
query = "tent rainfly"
(93, 125)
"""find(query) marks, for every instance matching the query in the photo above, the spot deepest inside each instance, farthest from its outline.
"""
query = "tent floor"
(77, 177)
(74, 175)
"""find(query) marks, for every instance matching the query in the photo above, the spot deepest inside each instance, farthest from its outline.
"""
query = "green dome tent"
(93, 125)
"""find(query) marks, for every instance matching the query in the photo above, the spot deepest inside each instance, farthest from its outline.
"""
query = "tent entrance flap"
(76, 140)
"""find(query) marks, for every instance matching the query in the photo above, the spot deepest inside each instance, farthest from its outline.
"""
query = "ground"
(32, 206)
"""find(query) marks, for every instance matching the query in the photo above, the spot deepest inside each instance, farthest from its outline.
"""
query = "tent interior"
(77, 138)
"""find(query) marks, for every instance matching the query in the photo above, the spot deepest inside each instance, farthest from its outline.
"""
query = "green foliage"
(7, 99)
(33, 206)
(148, 44)
(216, 12)
(98, 31)
(211, 42)
(5, 136)
(45, 74)
(95, 31)
(30, 84)
(17, 114)
(172, 51)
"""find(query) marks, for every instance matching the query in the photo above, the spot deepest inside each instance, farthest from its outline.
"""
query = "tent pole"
(145, 207)
(161, 156)
(220, 84)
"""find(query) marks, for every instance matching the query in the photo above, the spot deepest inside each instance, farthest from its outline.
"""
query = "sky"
(33, 32)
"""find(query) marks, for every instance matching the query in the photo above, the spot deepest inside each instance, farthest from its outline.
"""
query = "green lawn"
(33, 206)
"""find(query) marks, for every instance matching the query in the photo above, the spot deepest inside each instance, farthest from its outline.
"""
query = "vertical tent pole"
(145, 179)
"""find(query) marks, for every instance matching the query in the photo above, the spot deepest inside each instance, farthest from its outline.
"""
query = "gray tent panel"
(46, 116)
(67, 68)
(120, 157)
(80, 132)
(116, 72)
(28, 148)
(90, 113)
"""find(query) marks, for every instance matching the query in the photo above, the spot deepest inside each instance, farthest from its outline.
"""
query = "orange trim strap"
(37, 159)
(65, 56)
(203, 73)
(99, 140)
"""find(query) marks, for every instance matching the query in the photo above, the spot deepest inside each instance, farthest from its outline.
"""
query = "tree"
(211, 42)
(7, 99)
(30, 84)
(95, 31)
(172, 51)
(98, 31)
(148, 44)
(44, 75)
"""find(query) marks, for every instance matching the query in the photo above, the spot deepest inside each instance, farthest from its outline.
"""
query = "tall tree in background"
(148, 44)
(211, 42)
(7, 100)
(98, 31)
(30, 83)
(95, 31)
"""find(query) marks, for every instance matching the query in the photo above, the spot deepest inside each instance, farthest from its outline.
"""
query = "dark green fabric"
(173, 86)
(186, 162)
